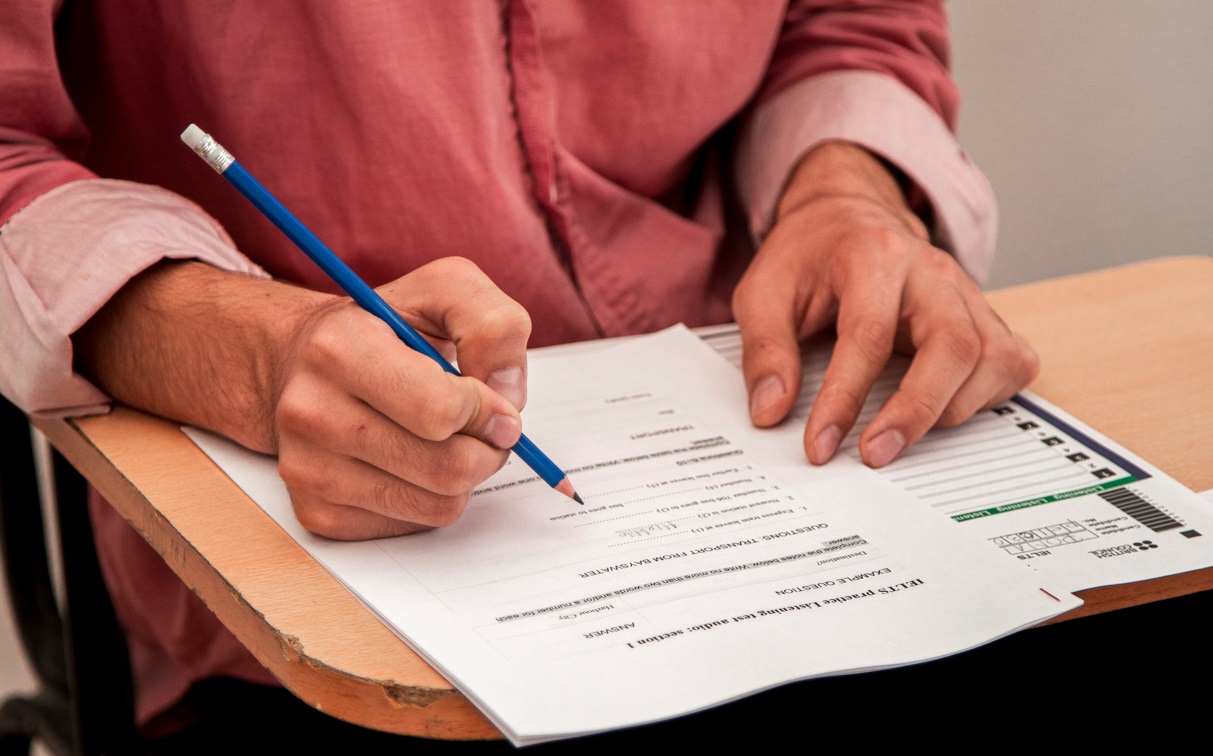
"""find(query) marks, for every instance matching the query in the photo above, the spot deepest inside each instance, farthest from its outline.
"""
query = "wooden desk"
(1128, 350)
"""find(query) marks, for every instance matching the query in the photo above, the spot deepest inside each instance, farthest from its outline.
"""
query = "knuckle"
(383, 495)
(512, 318)
(449, 511)
(454, 267)
(389, 498)
(872, 337)
(1004, 352)
(429, 508)
(504, 321)
(761, 286)
(327, 343)
(1031, 367)
(303, 476)
(404, 451)
(443, 413)
(442, 272)
(291, 412)
(847, 397)
(884, 239)
(964, 345)
(453, 467)
(922, 410)
(317, 518)
(454, 472)
(943, 265)
(1026, 361)
(295, 413)
(942, 268)
(1018, 362)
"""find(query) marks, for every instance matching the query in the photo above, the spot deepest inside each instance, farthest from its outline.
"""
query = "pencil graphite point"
(566, 488)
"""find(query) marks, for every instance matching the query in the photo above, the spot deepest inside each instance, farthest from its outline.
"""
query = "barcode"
(1140, 509)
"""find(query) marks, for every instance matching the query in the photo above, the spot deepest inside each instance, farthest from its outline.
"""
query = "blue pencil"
(225, 165)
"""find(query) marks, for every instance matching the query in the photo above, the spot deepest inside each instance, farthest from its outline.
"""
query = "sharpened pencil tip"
(566, 488)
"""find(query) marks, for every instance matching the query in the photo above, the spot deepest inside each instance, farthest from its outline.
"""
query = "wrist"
(842, 170)
(199, 345)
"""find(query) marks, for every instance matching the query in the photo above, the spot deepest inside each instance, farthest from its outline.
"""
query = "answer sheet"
(1034, 484)
(708, 563)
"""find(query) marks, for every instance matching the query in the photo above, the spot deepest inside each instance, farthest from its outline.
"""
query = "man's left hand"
(847, 251)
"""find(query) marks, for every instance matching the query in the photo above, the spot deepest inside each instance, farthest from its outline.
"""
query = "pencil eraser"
(193, 136)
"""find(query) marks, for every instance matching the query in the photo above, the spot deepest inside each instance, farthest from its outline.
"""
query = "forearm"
(190, 342)
(875, 75)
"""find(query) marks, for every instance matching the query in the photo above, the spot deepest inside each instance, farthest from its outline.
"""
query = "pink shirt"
(608, 164)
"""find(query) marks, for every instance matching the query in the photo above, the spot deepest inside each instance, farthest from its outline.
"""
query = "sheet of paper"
(708, 563)
(1036, 485)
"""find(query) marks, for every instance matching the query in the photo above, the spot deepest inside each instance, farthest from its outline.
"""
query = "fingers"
(1008, 363)
(847, 248)
(357, 354)
(321, 420)
(345, 460)
(867, 325)
(453, 299)
(346, 498)
(965, 360)
(945, 358)
(418, 396)
(964, 357)
(376, 439)
(770, 340)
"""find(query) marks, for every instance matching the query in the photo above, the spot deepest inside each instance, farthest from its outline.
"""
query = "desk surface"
(1128, 350)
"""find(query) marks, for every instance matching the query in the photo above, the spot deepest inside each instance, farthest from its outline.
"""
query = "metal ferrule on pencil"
(213, 153)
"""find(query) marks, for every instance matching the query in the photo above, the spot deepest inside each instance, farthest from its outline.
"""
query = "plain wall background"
(1093, 121)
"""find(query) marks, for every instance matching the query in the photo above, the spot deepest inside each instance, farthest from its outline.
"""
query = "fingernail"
(767, 392)
(826, 444)
(502, 431)
(885, 447)
(509, 383)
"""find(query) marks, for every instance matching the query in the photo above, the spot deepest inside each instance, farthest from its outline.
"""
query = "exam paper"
(708, 563)
(1034, 484)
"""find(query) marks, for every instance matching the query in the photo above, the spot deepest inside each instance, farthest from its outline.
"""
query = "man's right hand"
(373, 439)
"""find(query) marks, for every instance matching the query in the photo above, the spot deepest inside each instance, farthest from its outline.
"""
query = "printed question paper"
(709, 562)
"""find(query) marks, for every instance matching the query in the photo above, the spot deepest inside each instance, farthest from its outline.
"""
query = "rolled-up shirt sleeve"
(64, 255)
(69, 240)
(874, 74)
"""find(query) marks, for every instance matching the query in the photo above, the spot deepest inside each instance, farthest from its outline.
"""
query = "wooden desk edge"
(427, 708)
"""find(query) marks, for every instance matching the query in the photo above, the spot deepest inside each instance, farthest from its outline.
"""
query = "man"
(509, 174)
